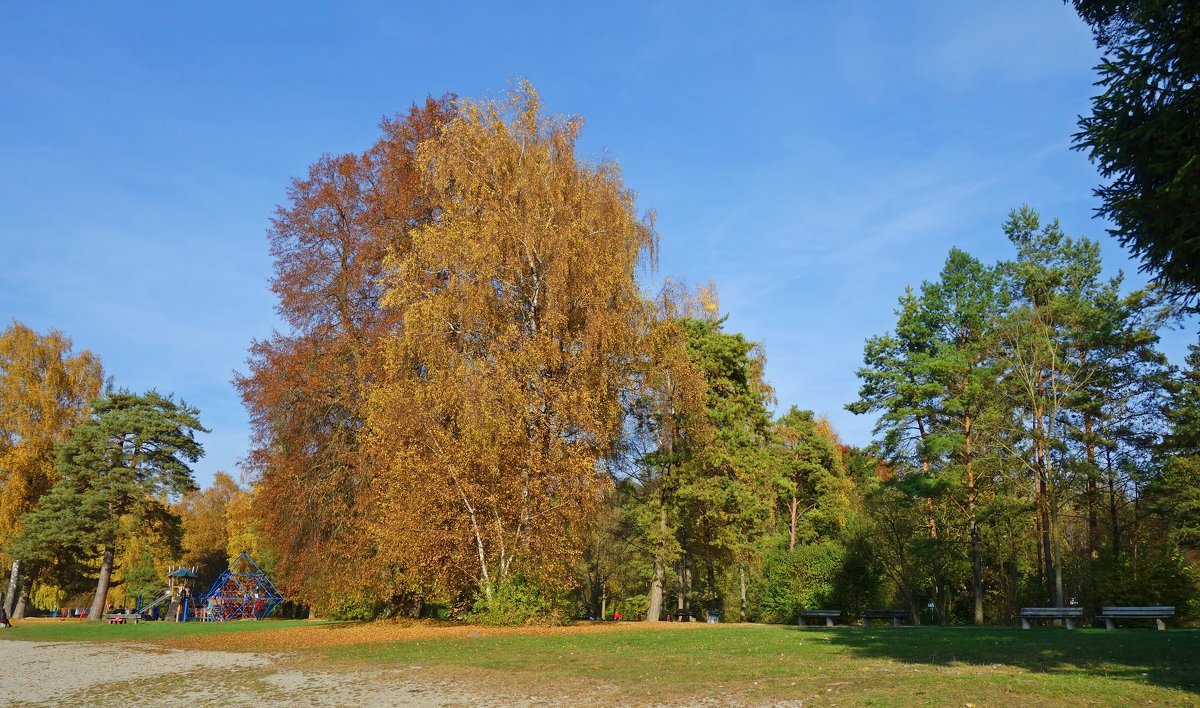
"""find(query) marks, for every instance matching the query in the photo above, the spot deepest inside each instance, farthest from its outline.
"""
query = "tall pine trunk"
(972, 502)
(794, 507)
(1115, 530)
(1093, 492)
(26, 585)
(97, 611)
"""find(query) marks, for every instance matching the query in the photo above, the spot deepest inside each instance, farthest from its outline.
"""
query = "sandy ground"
(143, 674)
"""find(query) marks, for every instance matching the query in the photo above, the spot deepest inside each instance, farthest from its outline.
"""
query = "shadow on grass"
(1166, 659)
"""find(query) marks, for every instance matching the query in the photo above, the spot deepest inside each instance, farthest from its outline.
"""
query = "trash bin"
(713, 616)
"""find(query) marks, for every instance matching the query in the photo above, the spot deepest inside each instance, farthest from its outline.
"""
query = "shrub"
(513, 603)
(800, 579)
(355, 608)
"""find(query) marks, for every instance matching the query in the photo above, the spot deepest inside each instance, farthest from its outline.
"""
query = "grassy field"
(630, 663)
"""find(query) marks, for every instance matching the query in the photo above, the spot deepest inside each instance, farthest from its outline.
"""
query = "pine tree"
(120, 463)
(1175, 492)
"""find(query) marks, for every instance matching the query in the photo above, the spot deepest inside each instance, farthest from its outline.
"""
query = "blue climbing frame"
(242, 592)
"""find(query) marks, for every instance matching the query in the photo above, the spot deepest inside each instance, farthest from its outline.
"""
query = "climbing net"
(242, 592)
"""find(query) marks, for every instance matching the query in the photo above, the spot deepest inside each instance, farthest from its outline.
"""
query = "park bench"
(122, 617)
(1158, 614)
(1067, 614)
(828, 615)
(894, 615)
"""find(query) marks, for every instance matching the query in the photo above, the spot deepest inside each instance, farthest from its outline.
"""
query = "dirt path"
(143, 674)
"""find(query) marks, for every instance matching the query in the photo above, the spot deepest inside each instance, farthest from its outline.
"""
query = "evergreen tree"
(728, 489)
(813, 478)
(122, 462)
(1143, 132)
(1053, 281)
(1175, 492)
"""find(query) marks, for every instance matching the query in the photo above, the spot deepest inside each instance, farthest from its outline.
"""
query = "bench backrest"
(821, 613)
(885, 614)
(1051, 611)
(1165, 610)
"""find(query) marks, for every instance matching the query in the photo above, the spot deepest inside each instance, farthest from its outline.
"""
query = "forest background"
(675, 408)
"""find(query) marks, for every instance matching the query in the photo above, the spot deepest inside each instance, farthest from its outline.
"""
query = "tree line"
(481, 407)
(478, 410)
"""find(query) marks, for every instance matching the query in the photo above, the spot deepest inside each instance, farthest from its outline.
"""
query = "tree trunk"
(795, 506)
(977, 570)
(685, 601)
(26, 585)
(655, 604)
(1037, 543)
(742, 577)
(939, 581)
(1047, 553)
(97, 611)
(712, 581)
(972, 500)
(1115, 531)
(656, 580)
(11, 596)
(1093, 495)
(682, 595)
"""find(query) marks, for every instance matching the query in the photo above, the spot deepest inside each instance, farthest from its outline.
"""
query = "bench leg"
(1161, 625)
(865, 623)
(1108, 623)
(895, 621)
(802, 622)
(1070, 623)
(829, 622)
(1024, 623)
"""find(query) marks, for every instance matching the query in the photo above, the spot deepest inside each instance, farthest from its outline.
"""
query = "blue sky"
(811, 158)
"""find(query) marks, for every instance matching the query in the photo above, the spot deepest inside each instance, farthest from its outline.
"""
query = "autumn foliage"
(305, 389)
(464, 313)
(520, 321)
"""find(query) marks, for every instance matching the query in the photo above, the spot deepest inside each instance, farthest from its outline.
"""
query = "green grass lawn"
(876, 666)
(762, 664)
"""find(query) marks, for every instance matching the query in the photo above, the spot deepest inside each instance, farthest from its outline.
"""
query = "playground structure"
(173, 603)
(242, 592)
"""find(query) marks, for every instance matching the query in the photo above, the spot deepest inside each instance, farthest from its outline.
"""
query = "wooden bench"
(828, 615)
(678, 615)
(120, 618)
(894, 615)
(1067, 614)
(1158, 614)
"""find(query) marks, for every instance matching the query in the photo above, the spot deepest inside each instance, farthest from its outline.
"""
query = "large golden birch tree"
(520, 325)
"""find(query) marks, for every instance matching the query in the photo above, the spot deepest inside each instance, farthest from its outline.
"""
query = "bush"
(513, 603)
(1162, 576)
(801, 579)
(356, 608)
(630, 607)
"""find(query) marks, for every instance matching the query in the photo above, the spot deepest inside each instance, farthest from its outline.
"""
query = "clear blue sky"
(811, 158)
